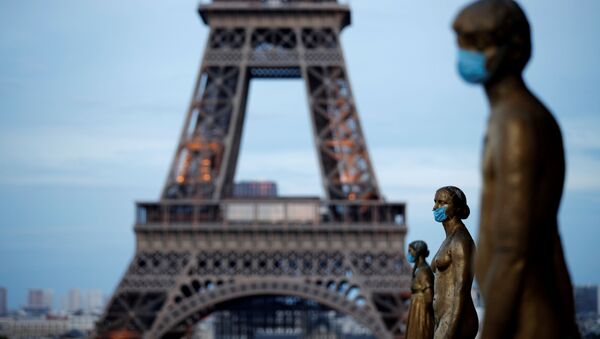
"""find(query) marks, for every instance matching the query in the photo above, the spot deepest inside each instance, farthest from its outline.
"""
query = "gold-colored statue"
(420, 323)
(520, 265)
(455, 315)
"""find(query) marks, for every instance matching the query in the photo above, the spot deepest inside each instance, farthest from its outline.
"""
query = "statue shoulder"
(424, 275)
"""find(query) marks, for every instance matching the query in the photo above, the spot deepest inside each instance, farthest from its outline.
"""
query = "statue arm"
(511, 227)
(417, 285)
(428, 293)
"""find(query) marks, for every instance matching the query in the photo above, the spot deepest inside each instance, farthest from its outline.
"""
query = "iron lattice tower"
(199, 247)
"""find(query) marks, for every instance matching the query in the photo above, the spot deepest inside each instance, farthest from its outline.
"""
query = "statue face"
(499, 30)
(482, 42)
(412, 251)
(476, 31)
(444, 199)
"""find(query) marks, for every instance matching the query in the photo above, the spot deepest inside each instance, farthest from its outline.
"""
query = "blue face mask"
(410, 258)
(471, 66)
(439, 214)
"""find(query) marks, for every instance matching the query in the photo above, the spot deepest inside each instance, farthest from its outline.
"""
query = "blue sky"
(93, 95)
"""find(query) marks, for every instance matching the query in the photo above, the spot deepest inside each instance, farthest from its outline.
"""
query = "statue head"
(494, 40)
(418, 248)
(452, 201)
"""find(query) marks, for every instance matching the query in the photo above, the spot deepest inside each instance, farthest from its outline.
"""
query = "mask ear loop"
(500, 56)
(454, 193)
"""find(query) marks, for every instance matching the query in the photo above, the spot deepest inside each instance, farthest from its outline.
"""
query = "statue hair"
(420, 248)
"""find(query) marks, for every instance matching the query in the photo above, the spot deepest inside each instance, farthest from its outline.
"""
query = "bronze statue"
(420, 323)
(520, 266)
(455, 315)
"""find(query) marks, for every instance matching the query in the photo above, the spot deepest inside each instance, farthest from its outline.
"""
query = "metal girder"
(170, 284)
(205, 159)
(196, 248)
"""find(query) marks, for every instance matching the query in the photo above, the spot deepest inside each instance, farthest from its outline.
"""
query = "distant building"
(25, 328)
(39, 300)
(586, 299)
(3, 301)
(255, 189)
(94, 301)
(82, 301)
(74, 300)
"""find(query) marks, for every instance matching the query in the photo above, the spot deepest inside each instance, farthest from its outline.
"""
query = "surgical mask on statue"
(471, 66)
(440, 214)
(410, 258)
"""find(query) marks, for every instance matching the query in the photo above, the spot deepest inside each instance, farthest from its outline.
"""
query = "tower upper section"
(271, 39)
(319, 12)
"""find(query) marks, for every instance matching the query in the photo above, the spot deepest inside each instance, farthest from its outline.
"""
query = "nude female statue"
(520, 265)
(455, 315)
(420, 322)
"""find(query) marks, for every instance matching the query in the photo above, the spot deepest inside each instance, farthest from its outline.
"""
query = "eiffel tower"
(199, 250)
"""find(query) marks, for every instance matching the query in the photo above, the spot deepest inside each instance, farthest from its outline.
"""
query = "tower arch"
(200, 303)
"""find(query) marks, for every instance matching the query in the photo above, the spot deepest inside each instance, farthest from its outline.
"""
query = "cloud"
(101, 156)
(396, 168)
(582, 145)
(582, 133)
(422, 167)
(399, 169)
(91, 157)
(582, 171)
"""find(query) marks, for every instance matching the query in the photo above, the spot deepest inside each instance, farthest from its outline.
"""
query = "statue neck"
(498, 90)
(451, 225)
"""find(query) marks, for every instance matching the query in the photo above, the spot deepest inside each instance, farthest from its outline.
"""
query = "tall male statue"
(520, 265)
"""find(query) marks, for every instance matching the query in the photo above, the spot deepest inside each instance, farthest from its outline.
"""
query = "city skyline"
(91, 113)
(75, 299)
